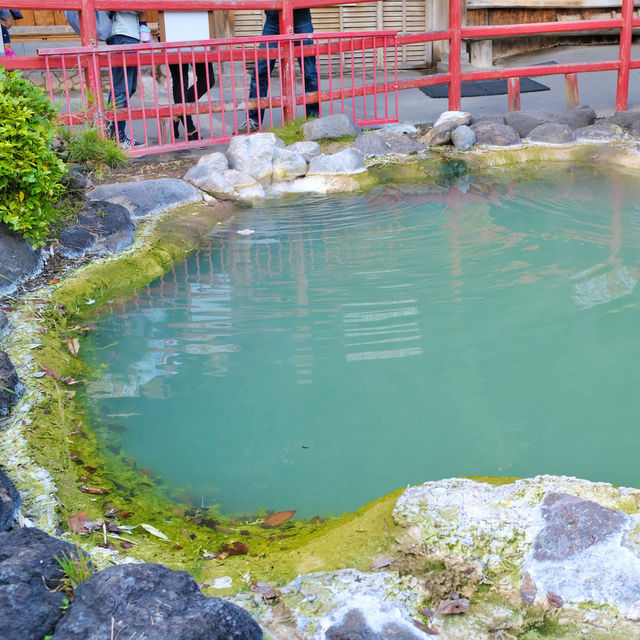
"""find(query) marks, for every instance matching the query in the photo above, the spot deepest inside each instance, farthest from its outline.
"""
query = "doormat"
(473, 88)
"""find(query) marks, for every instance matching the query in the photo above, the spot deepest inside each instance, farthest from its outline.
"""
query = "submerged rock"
(31, 601)
(147, 197)
(10, 386)
(18, 260)
(153, 602)
(10, 502)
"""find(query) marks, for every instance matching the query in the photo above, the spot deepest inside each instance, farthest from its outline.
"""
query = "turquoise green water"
(352, 345)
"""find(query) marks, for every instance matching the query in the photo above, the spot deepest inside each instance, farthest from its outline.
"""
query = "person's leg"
(122, 88)
(179, 91)
(302, 24)
(271, 28)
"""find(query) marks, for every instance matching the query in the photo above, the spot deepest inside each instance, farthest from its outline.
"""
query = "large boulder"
(345, 162)
(463, 138)
(10, 386)
(254, 155)
(18, 260)
(335, 126)
(153, 602)
(10, 502)
(31, 601)
(439, 134)
(306, 148)
(526, 121)
(457, 117)
(494, 134)
(287, 165)
(102, 227)
(581, 116)
(147, 197)
(552, 133)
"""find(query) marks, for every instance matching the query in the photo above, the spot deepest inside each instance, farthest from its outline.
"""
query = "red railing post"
(571, 89)
(626, 32)
(288, 69)
(455, 44)
(513, 94)
(89, 37)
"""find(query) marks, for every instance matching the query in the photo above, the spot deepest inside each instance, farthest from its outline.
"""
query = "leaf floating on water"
(73, 346)
(149, 528)
(278, 518)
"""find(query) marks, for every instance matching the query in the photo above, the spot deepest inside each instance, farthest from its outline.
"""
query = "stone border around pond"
(450, 559)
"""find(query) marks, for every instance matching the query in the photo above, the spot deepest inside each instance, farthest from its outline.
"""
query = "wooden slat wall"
(404, 16)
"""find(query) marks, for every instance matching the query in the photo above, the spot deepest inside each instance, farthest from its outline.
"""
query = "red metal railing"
(368, 91)
(287, 92)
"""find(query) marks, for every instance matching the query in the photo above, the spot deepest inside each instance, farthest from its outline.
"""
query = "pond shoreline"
(54, 474)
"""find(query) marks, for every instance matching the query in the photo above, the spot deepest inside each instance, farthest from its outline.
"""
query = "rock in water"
(153, 602)
(30, 599)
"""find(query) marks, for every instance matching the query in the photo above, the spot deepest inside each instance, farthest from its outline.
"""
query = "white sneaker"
(249, 126)
(127, 143)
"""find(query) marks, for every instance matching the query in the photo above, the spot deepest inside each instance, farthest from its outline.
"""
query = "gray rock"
(307, 149)
(10, 386)
(345, 162)
(372, 145)
(573, 524)
(353, 626)
(552, 133)
(246, 186)
(30, 599)
(403, 128)
(499, 135)
(253, 155)
(523, 122)
(102, 227)
(75, 180)
(205, 177)
(147, 197)
(457, 117)
(624, 119)
(287, 165)
(10, 503)
(216, 161)
(599, 132)
(401, 144)
(4, 322)
(153, 602)
(496, 118)
(463, 137)
(634, 129)
(18, 260)
(581, 116)
(439, 134)
(334, 126)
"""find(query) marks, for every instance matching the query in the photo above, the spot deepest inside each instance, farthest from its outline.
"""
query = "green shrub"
(30, 171)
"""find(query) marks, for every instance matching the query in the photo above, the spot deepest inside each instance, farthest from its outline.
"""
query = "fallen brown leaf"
(264, 589)
(93, 490)
(453, 607)
(278, 518)
(50, 372)
(77, 522)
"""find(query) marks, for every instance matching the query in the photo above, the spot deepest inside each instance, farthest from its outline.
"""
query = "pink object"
(9, 53)
(145, 33)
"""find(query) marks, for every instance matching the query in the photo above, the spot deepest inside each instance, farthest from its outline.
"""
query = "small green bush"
(30, 170)
(91, 149)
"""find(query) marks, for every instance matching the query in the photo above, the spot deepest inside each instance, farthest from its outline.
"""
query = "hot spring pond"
(317, 353)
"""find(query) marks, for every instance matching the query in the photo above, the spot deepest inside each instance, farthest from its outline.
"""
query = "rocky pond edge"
(376, 596)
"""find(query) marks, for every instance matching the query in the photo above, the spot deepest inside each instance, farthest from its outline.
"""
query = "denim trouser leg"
(301, 24)
(120, 97)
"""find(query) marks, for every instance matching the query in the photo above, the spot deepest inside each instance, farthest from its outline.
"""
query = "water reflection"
(365, 342)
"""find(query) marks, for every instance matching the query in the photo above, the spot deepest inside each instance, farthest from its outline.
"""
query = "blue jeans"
(120, 98)
(301, 24)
